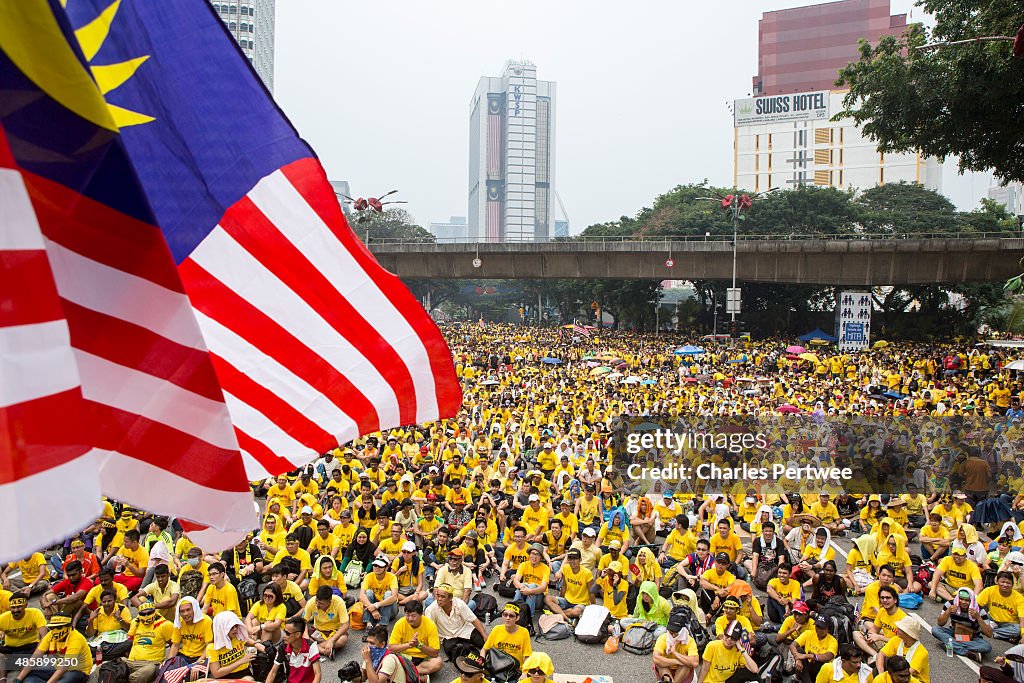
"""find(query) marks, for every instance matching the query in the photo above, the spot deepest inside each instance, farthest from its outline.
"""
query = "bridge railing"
(653, 239)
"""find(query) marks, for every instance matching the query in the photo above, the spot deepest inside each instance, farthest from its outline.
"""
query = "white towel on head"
(197, 611)
(863, 674)
(223, 625)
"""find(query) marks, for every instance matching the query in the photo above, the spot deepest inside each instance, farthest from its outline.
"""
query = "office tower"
(251, 23)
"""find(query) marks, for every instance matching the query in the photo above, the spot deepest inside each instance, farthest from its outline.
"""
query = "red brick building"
(802, 49)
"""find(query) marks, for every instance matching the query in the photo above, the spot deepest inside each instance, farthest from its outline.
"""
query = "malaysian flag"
(313, 342)
(105, 381)
(580, 329)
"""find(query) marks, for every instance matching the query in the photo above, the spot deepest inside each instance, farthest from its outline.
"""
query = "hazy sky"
(381, 90)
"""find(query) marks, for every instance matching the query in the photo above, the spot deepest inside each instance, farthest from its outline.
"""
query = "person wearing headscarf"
(688, 597)
(962, 628)
(861, 563)
(967, 538)
(193, 630)
(615, 529)
(538, 668)
(232, 649)
(893, 554)
(650, 608)
(64, 642)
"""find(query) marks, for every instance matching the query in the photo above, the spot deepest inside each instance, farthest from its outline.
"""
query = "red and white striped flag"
(580, 329)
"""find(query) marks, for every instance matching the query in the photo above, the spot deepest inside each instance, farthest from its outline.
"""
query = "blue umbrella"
(649, 381)
(550, 361)
(689, 351)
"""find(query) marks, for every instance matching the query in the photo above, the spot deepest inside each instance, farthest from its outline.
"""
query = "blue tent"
(816, 333)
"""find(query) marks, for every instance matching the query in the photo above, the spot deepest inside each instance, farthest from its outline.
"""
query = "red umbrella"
(796, 349)
(788, 408)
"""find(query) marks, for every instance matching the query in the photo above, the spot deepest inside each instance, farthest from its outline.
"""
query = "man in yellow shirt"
(34, 578)
(22, 627)
(220, 594)
(575, 581)
(379, 593)
(726, 541)
(534, 519)
(415, 636)
(1005, 608)
(851, 664)
(957, 572)
(328, 622)
(150, 634)
(296, 555)
(679, 543)
(63, 643)
(132, 559)
(724, 657)
(812, 649)
(905, 644)
(531, 579)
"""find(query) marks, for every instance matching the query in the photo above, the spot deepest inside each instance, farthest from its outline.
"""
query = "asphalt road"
(571, 657)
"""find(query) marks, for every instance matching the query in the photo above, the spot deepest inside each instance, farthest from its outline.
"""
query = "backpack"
(526, 617)
(693, 626)
(553, 627)
(353, 573)
(264, 660)
(190, 583)
(248, 593)
(412, 674)
(506, 588)
(486, 606)
(639, 638)
(593, 624)
(113, 671)
(840, 613)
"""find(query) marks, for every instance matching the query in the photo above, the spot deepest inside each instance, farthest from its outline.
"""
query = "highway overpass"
(868, 260)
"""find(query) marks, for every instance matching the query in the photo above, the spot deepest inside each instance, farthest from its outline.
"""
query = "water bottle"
(616, 629)
(949, 648)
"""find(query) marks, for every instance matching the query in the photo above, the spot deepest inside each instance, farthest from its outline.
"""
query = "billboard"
(853, 320)
(804, 106)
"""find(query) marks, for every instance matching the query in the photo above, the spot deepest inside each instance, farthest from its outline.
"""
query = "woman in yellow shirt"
(267, 616)
(509, 636)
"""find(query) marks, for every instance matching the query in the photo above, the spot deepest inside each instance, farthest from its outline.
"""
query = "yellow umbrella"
(880, 344)
(812, 357)
(820, 342)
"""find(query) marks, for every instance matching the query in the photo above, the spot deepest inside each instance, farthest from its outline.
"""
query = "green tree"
(392, 224)
(965, 100)
(904, 209)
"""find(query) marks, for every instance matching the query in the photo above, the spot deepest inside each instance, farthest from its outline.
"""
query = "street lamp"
(736, 206)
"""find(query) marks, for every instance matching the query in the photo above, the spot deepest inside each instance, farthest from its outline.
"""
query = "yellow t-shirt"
(723, 580)
(886, 623)
(150, 642)
(263, 614)
(1000, 609)
(723, 621)
(514, 644)
(139, 557)
(689, 649)
(108, 622)
(812, 645)
(577, 585)
(329, 620)
(790, 590)
(301, 555)
(790, 621)
(222, 599)
(528, 573)
(916, 656)
(322, 545)
(959, 576)
(30, 567)
(92, 598)
(827, 671)
(227, 656)
(18, 632)
(427, 633)
(534, 521)
(515, 556)
(194, 637)
(724, 662)
(618, 609)
(387, 582)
(731, 545)
(75, 648)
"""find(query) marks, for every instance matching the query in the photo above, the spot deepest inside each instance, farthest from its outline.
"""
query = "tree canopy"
(965, 100)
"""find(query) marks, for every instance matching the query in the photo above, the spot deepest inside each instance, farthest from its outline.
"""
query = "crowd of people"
(529, 494)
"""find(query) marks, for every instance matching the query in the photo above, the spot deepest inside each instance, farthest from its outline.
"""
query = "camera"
(350, 672)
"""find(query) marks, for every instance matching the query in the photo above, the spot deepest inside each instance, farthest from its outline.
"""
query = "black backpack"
(113, 671)
(248, 593)
(697, 631)
(526, 617)
(486, 606)
(840, 614)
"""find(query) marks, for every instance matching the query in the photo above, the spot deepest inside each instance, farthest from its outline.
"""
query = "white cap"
(533, 497)
(589, 532)
(409, 546)
(306, 510)
(433, 468)
(380, 562)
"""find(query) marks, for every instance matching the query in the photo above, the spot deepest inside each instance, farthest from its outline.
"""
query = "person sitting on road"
(954, 572)
(675, 653)
(961, 628)
(906, 644)
(416, 637)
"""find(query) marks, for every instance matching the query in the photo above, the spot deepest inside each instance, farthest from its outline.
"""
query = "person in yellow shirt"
(934, 537)
(575, 581)
(730, 613)
(675, 652)
(534, 519)
(852, 668)
(1005, 608)
(132, 560)
(680, 542)
(22, 627)
(531, 579)
(954, 571)
(379, 593)
(717, 579)
(271, 536)
(408, 568)
(897, 670)
(65, 643)
(724, 657)
(615, 529)
(296, 555)
(110, 617)
(229, 654)
(266, 618)
(726, 541)
(509, 636)
(328, 618)
(883, 628)
(905, 644)
(796, 624)
(783, 592)
(34, 578)
(812, 649)
(416, 637)
(282, 492)
(193, 631)
(220, 595)
(150, 634)
(612, 589)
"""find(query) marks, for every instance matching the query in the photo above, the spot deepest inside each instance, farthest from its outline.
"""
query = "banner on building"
(853, 321)
(804, 106)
